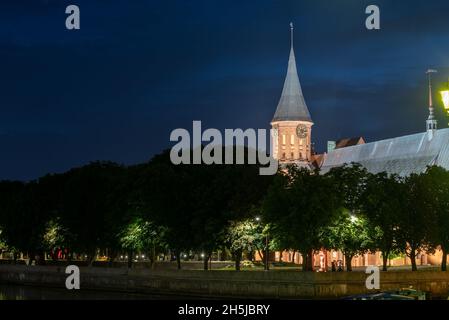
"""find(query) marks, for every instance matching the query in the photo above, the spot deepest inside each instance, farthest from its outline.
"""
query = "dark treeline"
(158, 208)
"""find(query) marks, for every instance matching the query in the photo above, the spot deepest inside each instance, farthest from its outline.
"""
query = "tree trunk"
(69, 256)
(31, 257)
(267, 254)
(385, 260)
(444, 259)
(41, 258)
(130, 258)
(304, 262)
(310, 261)
(348, 259)
(111, 258)
(238, 259)
(153, 256)
(307, 263)
(413, 260)
(293, 256)
(206, 261)
(178, 259)
(262, 255)
(251, 256)
(91, 258)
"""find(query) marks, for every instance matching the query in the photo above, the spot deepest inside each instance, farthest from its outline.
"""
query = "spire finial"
(291, 33)
(431, 121)
(429, 74)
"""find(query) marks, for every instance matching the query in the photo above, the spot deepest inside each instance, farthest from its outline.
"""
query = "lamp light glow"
(445, 97)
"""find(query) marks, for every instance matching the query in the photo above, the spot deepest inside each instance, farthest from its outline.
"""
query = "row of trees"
(153, 207)
(357, 212)
(159, 207)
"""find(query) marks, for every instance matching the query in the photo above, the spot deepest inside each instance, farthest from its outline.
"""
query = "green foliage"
(55, 235)
(160, 206)
(384, 198)
(417, 220)
(93, 205)
(2, 243)
(349, 233)
(23, 213)
(141, 235)
(437, 181)
(244, 235)
(350, 181)
(299, 204)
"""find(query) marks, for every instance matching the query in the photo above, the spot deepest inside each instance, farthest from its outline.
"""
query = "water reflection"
(8, 292)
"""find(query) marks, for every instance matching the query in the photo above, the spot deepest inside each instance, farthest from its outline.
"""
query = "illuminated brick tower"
(292, 123)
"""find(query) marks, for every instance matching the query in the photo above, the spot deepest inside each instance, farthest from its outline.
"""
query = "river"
(13, 292)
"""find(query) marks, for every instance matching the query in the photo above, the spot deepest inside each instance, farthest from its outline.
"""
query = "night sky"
(136, 70)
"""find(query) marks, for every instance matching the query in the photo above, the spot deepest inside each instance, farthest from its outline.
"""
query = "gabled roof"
(292, 106)
(403, 155)
(348, 142)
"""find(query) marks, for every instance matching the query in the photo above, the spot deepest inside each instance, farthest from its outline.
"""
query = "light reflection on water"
(12, 292)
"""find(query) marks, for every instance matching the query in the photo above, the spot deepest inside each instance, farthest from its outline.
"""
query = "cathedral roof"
(292, 106)
(347, 142)
(402, 155)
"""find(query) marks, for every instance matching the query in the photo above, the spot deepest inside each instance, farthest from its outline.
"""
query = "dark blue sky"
(138, 69)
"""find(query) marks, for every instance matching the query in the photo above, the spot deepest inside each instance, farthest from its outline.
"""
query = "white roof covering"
(403, 155)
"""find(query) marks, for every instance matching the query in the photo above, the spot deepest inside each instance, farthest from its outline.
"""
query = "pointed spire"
(431, 121)
(291, 34)
(292, 106)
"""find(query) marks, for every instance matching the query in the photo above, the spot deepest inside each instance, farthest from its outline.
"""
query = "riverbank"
(217, 283)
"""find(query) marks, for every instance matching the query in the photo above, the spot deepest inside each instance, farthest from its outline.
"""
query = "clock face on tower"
(301, 131)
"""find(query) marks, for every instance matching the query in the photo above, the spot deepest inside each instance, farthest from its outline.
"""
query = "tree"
(438, 183)
(349, 233)
(223, 193)
(382, 201)
(301, 203)
(92, 207)
(241, 236)
(350, 181)
(3, 246)
(162, 195)
(196, 202)
(140, 235)
(55, 237)
(416, 223)
(24, 211)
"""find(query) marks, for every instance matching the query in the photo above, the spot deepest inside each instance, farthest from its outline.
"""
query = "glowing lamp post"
(445, 97)
(267, 249)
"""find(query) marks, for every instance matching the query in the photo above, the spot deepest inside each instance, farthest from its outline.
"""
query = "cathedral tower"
(292, 123)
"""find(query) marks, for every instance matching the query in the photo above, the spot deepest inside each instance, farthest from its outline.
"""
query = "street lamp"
(267, 250)
(445, 97)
